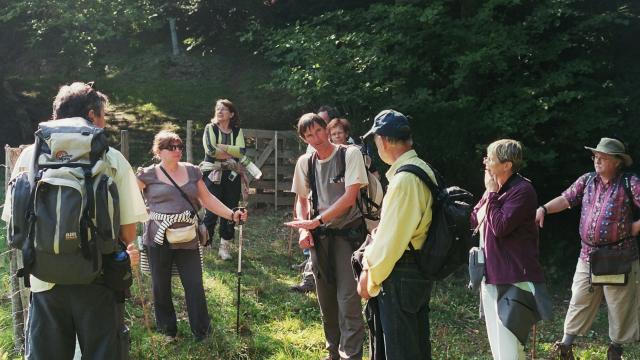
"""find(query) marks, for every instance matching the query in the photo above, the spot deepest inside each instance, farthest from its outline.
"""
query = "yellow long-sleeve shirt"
(406, 216)
(235, 148)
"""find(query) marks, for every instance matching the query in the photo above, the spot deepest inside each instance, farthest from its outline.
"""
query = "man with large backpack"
(388, 262)
(331, 226)
(84, 201)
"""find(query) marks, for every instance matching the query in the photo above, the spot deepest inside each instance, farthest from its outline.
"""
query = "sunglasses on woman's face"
(174, 147)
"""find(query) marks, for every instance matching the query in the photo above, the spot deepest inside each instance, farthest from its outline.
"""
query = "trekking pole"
(289, 245)
(240, 239)
(533, 343)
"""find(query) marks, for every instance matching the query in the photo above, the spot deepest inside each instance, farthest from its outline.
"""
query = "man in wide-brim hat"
(612, 147)
(607, 197)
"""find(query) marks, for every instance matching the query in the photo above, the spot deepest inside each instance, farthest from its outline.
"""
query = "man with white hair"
(608, 263)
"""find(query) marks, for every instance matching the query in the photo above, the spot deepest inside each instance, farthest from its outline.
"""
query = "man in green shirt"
(388, 264)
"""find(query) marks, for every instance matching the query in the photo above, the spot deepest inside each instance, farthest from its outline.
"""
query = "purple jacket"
(510, 233)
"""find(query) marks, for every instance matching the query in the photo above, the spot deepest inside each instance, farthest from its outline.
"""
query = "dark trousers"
(229, 193)
(404, 313)
(124, 338)
(56, 316)
(339, 301)
(188, 264)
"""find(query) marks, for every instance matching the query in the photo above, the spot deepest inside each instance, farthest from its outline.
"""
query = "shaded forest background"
(555, 74)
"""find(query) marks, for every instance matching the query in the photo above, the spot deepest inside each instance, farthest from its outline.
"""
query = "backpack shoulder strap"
(236, 132)
(216, 131)
(422, 175)
(311, 177)
(342, 160)
(590, 178)
(626, 182)
(207, 135)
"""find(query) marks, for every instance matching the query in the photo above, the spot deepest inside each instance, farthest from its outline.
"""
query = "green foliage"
(73, 29)
(544, 72)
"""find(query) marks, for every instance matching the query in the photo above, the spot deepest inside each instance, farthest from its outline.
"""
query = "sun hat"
(613, 147)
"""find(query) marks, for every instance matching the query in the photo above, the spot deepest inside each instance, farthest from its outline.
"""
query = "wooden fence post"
(18, 312)
(275, 185)
(124, 143)
(189, 141)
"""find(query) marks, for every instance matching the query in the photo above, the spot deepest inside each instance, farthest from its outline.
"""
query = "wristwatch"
(544, 208)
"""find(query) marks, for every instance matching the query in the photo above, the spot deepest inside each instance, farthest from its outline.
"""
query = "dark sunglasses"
(174, 147)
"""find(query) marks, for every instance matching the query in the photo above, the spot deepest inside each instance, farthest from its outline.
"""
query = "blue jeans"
(404, 313)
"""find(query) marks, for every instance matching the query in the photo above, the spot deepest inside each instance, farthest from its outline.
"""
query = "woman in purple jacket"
(509, 238)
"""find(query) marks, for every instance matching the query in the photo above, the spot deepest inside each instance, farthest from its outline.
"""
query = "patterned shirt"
(606, 214)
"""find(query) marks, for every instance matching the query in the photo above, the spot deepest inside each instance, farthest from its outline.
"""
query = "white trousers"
(504, 345)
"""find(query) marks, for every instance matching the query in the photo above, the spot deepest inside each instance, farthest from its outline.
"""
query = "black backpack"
(449, 239)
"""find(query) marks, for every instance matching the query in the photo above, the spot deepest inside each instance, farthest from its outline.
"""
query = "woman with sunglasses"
(173, 192)
(223, 143)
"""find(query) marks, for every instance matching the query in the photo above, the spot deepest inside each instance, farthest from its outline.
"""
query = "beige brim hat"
(612, 147)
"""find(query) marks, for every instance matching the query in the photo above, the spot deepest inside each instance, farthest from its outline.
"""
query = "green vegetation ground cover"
(279, 324)
(149, 89)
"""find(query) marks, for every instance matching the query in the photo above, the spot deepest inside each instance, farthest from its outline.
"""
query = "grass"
(278, 324)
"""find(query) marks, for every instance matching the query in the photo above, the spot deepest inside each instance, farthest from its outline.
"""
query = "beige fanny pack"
(181, 235)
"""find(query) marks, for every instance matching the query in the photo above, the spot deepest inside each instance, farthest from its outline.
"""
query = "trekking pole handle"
(241, 209)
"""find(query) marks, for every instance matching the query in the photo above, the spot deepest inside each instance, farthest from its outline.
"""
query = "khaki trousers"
(623, 305)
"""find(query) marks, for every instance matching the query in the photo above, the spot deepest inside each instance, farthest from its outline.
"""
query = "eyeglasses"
(174, 147)
(601, 158)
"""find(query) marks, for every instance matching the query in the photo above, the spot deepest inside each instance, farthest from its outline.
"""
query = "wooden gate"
(275, 153)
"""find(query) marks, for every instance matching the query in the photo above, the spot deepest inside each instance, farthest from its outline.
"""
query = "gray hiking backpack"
(65, 209)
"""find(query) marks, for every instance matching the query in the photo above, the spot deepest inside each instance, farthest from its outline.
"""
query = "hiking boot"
(223, 252)
(562, 352)
(170, 338)
(306, 285)
(614, 352)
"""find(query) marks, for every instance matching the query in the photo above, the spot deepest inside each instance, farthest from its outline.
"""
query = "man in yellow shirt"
(390, 275)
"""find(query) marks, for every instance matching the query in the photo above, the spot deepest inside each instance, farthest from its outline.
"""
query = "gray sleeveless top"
(330, 188)
(164, 198)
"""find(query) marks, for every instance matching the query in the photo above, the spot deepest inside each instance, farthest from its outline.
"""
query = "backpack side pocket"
(20, 190)
(107, 215)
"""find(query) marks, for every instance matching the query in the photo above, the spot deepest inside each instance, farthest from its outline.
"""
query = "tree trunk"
(174, 36)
